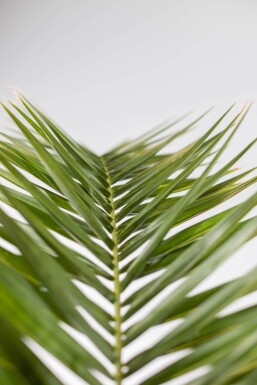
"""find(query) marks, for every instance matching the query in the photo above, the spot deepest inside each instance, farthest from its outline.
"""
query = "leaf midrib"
(116, 280)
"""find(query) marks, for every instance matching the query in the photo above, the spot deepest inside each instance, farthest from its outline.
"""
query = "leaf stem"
(117, 284)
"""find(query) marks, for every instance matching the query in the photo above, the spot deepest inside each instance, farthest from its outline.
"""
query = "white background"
(108, 70)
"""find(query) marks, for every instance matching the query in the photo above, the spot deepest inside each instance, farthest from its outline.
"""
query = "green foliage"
(103, 223)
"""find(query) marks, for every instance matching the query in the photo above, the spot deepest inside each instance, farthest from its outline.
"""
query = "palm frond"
(99, 251)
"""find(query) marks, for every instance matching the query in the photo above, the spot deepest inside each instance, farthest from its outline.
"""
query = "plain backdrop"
(109, 70)
(106, 70)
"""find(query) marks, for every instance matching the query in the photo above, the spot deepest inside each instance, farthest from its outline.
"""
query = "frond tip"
(102, 256)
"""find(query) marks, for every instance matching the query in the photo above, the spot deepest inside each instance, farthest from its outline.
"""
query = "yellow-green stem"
(117, 286)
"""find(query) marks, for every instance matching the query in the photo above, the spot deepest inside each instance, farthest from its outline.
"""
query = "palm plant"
(92, 257)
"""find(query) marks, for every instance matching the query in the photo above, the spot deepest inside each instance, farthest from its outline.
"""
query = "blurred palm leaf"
(87, 255)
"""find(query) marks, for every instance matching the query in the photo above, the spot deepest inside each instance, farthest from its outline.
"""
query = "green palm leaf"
(93, 257)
